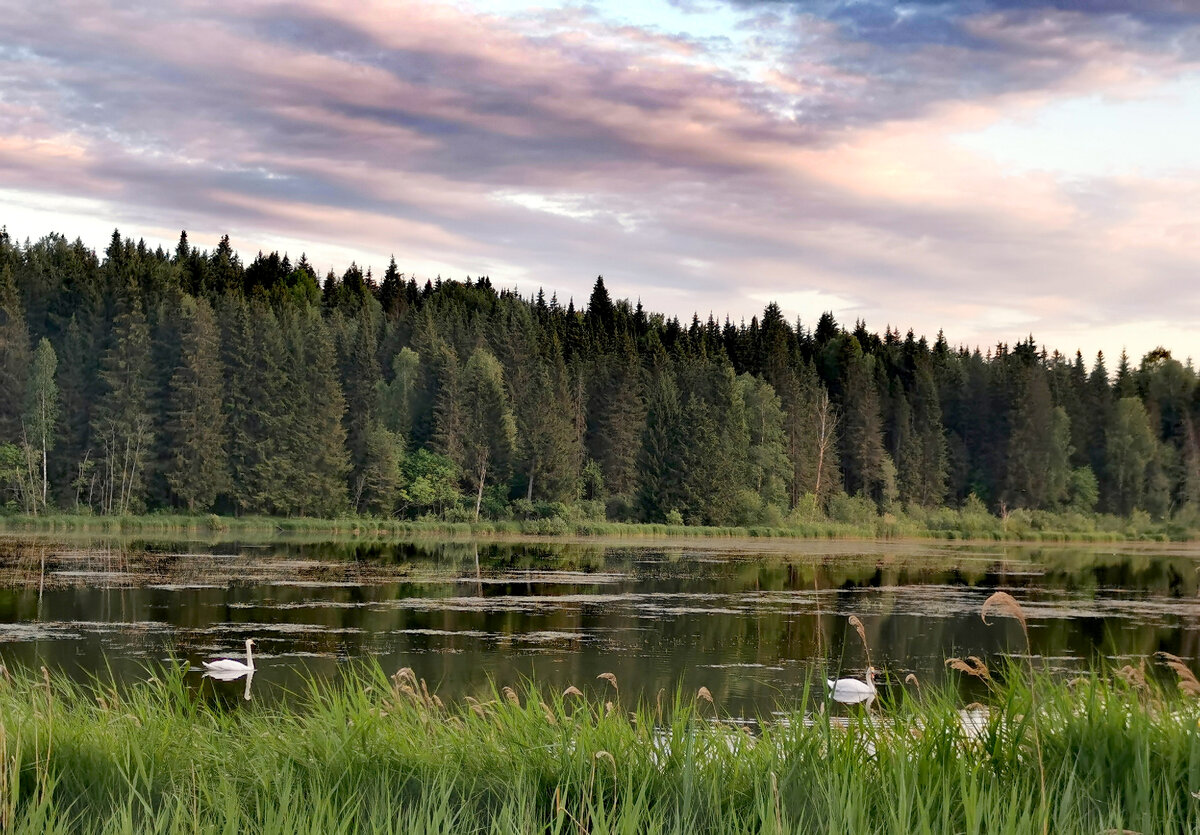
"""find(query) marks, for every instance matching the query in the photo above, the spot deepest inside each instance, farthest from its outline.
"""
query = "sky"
(991, 168)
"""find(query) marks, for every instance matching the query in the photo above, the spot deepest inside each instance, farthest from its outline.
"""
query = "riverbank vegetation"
(847, 519)
(152, 381)
(1110, 751)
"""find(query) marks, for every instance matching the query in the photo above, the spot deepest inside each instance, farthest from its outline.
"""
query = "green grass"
(377, 754)
(942, 523)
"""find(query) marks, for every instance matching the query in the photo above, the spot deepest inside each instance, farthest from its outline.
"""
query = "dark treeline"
(149, 379)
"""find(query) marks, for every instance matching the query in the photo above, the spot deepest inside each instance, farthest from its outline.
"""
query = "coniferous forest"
(145, 380)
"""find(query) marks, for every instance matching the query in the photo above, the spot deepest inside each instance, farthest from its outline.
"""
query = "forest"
(190, 380)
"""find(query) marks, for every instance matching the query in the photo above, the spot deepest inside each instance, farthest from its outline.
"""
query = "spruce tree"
(122, 423)
(660, 489)
(40, 421)
(489, 431)
(14, 357)
(318, 438)
(1039, 448)
(197, 467)
(868, 467)
(616, 414)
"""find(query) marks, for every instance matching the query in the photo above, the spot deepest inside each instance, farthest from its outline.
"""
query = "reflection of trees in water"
(658, 617)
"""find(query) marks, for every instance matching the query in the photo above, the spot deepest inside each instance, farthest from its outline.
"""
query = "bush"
(853, 510)
(674, 517)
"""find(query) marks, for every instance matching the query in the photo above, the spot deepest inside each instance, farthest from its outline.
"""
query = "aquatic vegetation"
(380, 753)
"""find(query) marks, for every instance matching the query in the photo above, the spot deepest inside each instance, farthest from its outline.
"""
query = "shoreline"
(1103, 529)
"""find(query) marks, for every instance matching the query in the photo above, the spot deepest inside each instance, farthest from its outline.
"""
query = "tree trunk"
(479, 495)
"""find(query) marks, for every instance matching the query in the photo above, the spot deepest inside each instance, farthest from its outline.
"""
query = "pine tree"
(196, 469)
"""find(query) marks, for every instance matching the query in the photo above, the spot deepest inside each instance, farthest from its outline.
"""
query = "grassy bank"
(1113, 752)
(853, 522)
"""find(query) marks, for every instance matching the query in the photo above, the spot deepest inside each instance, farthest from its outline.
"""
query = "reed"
(375, 753)
(915, 523)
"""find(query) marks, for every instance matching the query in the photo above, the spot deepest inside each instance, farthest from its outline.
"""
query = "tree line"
(150, 379)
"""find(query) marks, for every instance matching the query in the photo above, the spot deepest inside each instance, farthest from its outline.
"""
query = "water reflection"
(752, 621)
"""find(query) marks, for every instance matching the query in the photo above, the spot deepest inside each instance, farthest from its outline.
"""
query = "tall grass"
(968, 523)
(384, 754)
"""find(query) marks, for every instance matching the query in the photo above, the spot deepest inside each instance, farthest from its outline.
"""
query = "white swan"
(851, 691)
(228, 665)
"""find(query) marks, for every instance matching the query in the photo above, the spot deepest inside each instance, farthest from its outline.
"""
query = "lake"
(752, 620)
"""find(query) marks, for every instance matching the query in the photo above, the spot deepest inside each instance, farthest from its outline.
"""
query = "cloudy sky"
(993, 168)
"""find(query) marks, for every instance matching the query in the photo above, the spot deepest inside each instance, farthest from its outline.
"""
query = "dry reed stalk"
(703, 695)
(1133, 675)
(560, 808)
(611, 679)
(775, 801)
(511, 696)
(573, 691)
(862, 635)
(550, 718)
(1187, 679)
(973, 666)
(1004, 603)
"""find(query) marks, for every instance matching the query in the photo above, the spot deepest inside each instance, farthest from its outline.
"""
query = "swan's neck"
(249, 657)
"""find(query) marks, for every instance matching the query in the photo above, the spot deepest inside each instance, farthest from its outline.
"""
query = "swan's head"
(871, 674)
(249, 643)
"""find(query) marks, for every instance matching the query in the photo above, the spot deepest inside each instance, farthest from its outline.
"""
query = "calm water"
(749, 620)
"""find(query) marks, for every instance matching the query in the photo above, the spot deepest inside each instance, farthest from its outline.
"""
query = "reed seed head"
(1004, 603)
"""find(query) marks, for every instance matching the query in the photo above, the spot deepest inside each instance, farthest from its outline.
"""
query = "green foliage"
(14, 356)
(123, 423)
(430, 483)
(1129, 450)
(489, 431)
(290, 399)
(376, 753)
(1083, 491)
(197, 466)
(39, 423)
